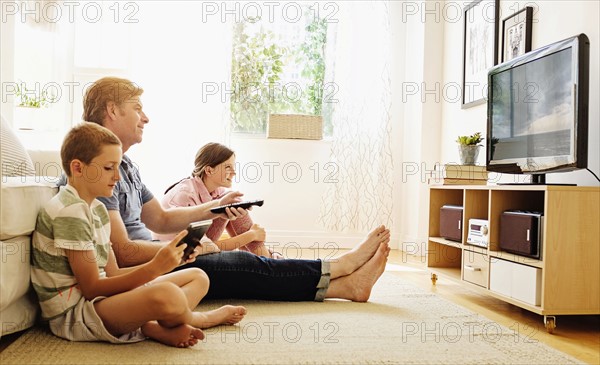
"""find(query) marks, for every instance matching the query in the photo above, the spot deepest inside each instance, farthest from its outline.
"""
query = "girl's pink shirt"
(191, 192)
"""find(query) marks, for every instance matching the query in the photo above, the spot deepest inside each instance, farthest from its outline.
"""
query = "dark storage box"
(521, 233)
(451, 222)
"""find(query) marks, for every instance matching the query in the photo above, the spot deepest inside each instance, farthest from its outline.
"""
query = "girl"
(213, 173)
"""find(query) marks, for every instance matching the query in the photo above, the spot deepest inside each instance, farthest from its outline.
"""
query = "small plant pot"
(27, 117)
(468, 154)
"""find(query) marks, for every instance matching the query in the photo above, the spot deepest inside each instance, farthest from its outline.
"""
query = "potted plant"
(30, 103)
(468, 148)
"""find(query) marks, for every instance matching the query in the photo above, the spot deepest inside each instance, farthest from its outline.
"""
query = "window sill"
(34, 139)
(252, 136)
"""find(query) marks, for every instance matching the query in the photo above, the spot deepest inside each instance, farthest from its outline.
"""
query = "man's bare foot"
(359, 255)
(183, 335)
(227, 314)
(357, 286)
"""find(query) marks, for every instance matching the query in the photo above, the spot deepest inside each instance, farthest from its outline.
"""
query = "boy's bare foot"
(183, 335)
(357, 286)
(227, 314)
(359, 255)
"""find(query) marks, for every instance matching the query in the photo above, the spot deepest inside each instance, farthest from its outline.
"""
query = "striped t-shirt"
(66, 222)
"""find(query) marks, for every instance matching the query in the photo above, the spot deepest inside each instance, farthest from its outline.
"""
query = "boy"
(83, 293)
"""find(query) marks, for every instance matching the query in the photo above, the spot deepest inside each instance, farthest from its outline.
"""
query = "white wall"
(268, 169)
(174, 68)
(160, 60)
(292, 177)
(429, 130)
(552, 21)
(425, 123)
(419, 127)
(7, 35)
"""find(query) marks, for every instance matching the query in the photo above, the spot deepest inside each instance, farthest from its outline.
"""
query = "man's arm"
(128, 252)
(159, 220)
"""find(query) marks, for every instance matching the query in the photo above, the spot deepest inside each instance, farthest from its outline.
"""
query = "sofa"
(26, 185)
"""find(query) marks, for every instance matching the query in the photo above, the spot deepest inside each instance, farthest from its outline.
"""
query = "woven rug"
(402, 324)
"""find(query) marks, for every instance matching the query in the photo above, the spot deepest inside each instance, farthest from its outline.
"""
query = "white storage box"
(517, 281)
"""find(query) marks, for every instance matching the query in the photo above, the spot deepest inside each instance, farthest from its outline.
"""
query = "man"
(115, 104)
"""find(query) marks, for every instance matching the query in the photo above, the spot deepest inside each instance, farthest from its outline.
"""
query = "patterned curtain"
(361, 199)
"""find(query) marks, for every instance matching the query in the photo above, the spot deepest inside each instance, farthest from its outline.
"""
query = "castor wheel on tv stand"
(433, 278)
(550, 323)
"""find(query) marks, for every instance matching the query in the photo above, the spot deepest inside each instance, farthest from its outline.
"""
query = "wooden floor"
(578, 336)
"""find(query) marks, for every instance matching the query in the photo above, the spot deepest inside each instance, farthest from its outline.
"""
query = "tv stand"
(564, 281)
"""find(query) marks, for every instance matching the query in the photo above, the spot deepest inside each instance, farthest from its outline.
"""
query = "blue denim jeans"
(243, 275)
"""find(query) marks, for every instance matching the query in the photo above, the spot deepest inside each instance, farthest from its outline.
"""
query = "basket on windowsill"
(295, 126)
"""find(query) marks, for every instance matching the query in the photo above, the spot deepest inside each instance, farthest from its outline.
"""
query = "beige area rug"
(402, 324)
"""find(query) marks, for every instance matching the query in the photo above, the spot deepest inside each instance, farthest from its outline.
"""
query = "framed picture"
(480, 49)
(516, 34)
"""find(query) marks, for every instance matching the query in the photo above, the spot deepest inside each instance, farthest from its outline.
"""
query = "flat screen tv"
(538, 111)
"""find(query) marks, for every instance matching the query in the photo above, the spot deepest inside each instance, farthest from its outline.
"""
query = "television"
(537, 117)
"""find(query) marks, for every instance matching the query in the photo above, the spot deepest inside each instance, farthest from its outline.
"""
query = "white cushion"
(46, 162)
(15, 269)
(18, 302)
(21, 199)
(15, 159)
(19, 315)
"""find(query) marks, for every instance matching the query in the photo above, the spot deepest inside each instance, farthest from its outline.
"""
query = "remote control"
(245, 205)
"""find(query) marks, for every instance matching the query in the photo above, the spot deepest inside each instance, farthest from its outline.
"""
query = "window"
(35, 80)
(278, 66)
(78, 42)
(101, 42)
(102, 38)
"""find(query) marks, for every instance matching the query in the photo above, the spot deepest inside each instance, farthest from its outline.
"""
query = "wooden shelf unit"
(570, 260)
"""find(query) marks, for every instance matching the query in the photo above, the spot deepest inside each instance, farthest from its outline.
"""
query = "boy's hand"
(169, 256)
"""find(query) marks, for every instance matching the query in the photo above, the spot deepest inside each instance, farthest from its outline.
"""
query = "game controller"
(192, 239)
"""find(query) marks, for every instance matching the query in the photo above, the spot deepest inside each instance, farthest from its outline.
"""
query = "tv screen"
(538, 110)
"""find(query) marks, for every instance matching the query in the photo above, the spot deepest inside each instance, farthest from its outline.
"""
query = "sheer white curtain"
(362, 196)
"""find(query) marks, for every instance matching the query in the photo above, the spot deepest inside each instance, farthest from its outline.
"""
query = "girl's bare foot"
(357, 286)
(227, 314)
(276, 255)
(359, 255)
(183, 335)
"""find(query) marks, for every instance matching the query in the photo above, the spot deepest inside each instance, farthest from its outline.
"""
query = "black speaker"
(451, 222)
(521, 233)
